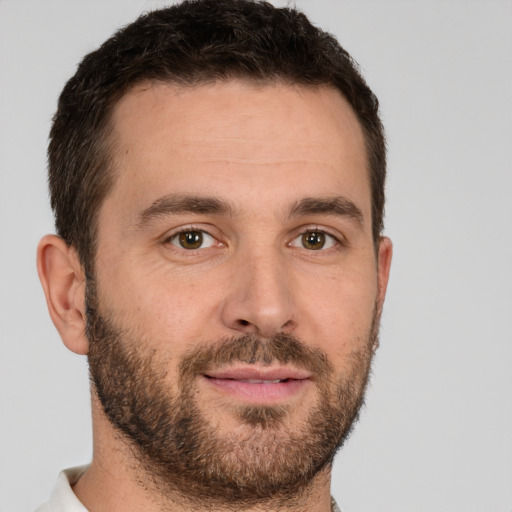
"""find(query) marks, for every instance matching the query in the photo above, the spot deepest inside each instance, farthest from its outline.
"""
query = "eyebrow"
(338, 205)
(176, 204)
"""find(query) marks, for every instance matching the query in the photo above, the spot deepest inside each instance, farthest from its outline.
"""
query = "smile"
(257, 381)
(259, 386)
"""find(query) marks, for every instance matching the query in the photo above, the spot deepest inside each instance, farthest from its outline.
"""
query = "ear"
(63, 282)
(383, 267)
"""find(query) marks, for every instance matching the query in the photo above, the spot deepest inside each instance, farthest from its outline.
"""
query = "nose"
(259, 299)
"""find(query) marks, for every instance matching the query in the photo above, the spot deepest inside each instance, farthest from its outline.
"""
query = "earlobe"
(63, 283)
(384, 265)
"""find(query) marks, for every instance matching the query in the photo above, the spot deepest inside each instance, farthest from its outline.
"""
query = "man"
(217, 176)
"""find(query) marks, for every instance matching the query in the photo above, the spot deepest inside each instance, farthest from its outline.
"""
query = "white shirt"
(63, 499)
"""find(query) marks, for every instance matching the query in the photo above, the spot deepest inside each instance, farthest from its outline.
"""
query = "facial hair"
(181, 450)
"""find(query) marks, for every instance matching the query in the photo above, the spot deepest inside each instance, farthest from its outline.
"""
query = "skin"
(260, 150)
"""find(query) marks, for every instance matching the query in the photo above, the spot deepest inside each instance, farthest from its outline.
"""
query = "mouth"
(263, 386)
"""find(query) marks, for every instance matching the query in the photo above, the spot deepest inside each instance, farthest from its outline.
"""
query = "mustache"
(251, 349)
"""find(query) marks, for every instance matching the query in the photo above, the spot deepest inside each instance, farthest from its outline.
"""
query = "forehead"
(290, 112)
(175, 139)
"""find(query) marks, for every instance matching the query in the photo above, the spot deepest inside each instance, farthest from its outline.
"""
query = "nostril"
(244, 322)
(288, 325)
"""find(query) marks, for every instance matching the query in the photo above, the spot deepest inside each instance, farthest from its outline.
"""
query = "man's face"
(236, 294)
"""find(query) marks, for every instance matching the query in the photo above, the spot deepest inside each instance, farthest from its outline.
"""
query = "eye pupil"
(191, 239)
(313, 240)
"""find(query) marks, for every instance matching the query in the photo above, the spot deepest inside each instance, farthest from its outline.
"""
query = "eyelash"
(190, 229)
(335, 241)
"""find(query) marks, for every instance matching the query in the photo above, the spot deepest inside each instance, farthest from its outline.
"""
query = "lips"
(259, 385)
(258, 381)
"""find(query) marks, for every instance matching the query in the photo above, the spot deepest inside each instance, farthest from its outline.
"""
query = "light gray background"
(436, 432)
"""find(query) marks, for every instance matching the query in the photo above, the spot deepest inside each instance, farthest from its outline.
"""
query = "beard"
(271, 456)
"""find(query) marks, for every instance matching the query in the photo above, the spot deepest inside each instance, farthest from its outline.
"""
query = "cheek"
(175, 311)
(338, 313)
(160, 306)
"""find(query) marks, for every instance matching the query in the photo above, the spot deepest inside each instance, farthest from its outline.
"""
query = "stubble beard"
(266, 459)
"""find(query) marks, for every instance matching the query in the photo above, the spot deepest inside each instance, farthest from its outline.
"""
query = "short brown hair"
(197, 41)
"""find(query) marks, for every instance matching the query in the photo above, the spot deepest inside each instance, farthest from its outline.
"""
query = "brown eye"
(193, 239)
(313, 240)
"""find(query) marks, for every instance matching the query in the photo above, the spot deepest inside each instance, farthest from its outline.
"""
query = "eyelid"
(207, 240)
(174, 233)
(338, 238)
